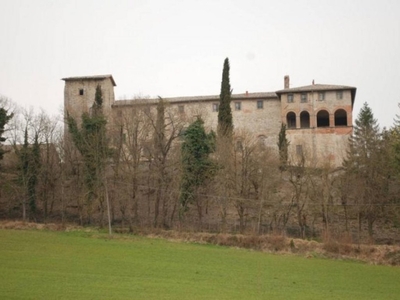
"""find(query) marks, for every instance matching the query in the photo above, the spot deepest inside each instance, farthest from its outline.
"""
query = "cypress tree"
(283, 145)
(225, 123)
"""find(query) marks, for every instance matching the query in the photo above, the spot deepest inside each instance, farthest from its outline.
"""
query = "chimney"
(286, 82)
(247, 93)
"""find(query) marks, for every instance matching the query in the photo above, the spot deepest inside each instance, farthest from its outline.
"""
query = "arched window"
(305, 119)
(340, 117)
(291, 120)
(262, 141)
(323, 119)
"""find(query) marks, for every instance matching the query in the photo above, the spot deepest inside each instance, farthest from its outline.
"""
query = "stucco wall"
(76, 104)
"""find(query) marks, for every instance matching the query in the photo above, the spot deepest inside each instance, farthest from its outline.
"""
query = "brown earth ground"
(341, 249)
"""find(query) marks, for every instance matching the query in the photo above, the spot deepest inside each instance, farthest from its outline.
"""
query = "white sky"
(177, 48)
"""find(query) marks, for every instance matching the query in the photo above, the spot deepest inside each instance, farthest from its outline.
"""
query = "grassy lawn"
(77, 265)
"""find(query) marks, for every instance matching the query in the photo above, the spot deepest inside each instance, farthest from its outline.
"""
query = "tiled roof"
(198, 98)
(316, 87)
(95, 77)
(320, 87)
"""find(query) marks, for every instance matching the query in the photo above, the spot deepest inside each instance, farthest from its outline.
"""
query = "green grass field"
(78, 265)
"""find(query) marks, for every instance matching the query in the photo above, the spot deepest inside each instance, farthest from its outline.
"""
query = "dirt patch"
(20, 225)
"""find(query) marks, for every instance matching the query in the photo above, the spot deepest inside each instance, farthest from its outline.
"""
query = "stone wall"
(79, 96)
(260, 114)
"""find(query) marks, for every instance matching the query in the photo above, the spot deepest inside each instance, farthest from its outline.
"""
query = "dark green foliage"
(4, 119)
(225, 123)
(98, 98)
(29, 166)
(365, 141)
(196, 164)
(395, 142)
(283, 145)
(34, 173)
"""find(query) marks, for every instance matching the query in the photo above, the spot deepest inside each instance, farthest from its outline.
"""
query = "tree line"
(153, 167)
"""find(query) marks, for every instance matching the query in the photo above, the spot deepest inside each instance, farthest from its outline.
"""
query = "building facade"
(318, 117)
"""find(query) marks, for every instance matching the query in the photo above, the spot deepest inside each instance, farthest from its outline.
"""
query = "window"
(339, 95)
(80, 92)
(291, 120)
(321, 96)
(215, 107)
(262, 141)
(340, 117)
(323, 119)
(290, 98)
(303, 97)
(260, 104)
(182, 133)
(304, 119)
(181, 109)
(239, 146)
(238, 105)
(299, 150)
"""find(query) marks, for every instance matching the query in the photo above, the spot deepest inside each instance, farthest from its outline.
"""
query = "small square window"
(303, 97)
(80, 92)
(299, 150)
(239, 146)
(260, 104)
(146, 110)
(181, 109)
(339, 95)
(238, 105)
(321, 96)
(290, 98)
(215, 107)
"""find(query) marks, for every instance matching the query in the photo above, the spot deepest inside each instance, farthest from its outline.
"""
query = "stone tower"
(79, 94)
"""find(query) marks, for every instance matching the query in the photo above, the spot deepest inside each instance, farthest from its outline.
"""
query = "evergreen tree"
(395, 141)
(4, 119)
(196, 164)
(225, 123)
(366, 164)
(283, 145)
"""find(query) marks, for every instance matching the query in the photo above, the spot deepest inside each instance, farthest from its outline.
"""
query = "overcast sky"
(177, 48)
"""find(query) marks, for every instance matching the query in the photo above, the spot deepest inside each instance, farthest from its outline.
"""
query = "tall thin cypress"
(225, 123)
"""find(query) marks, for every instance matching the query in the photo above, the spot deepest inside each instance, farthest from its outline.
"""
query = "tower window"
(290, 98)
(299, 150)
(260, 104)
(80, 92)
(215, 107)
(238, 105)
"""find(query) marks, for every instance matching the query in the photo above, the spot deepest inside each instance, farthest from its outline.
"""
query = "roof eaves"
(94, 77)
